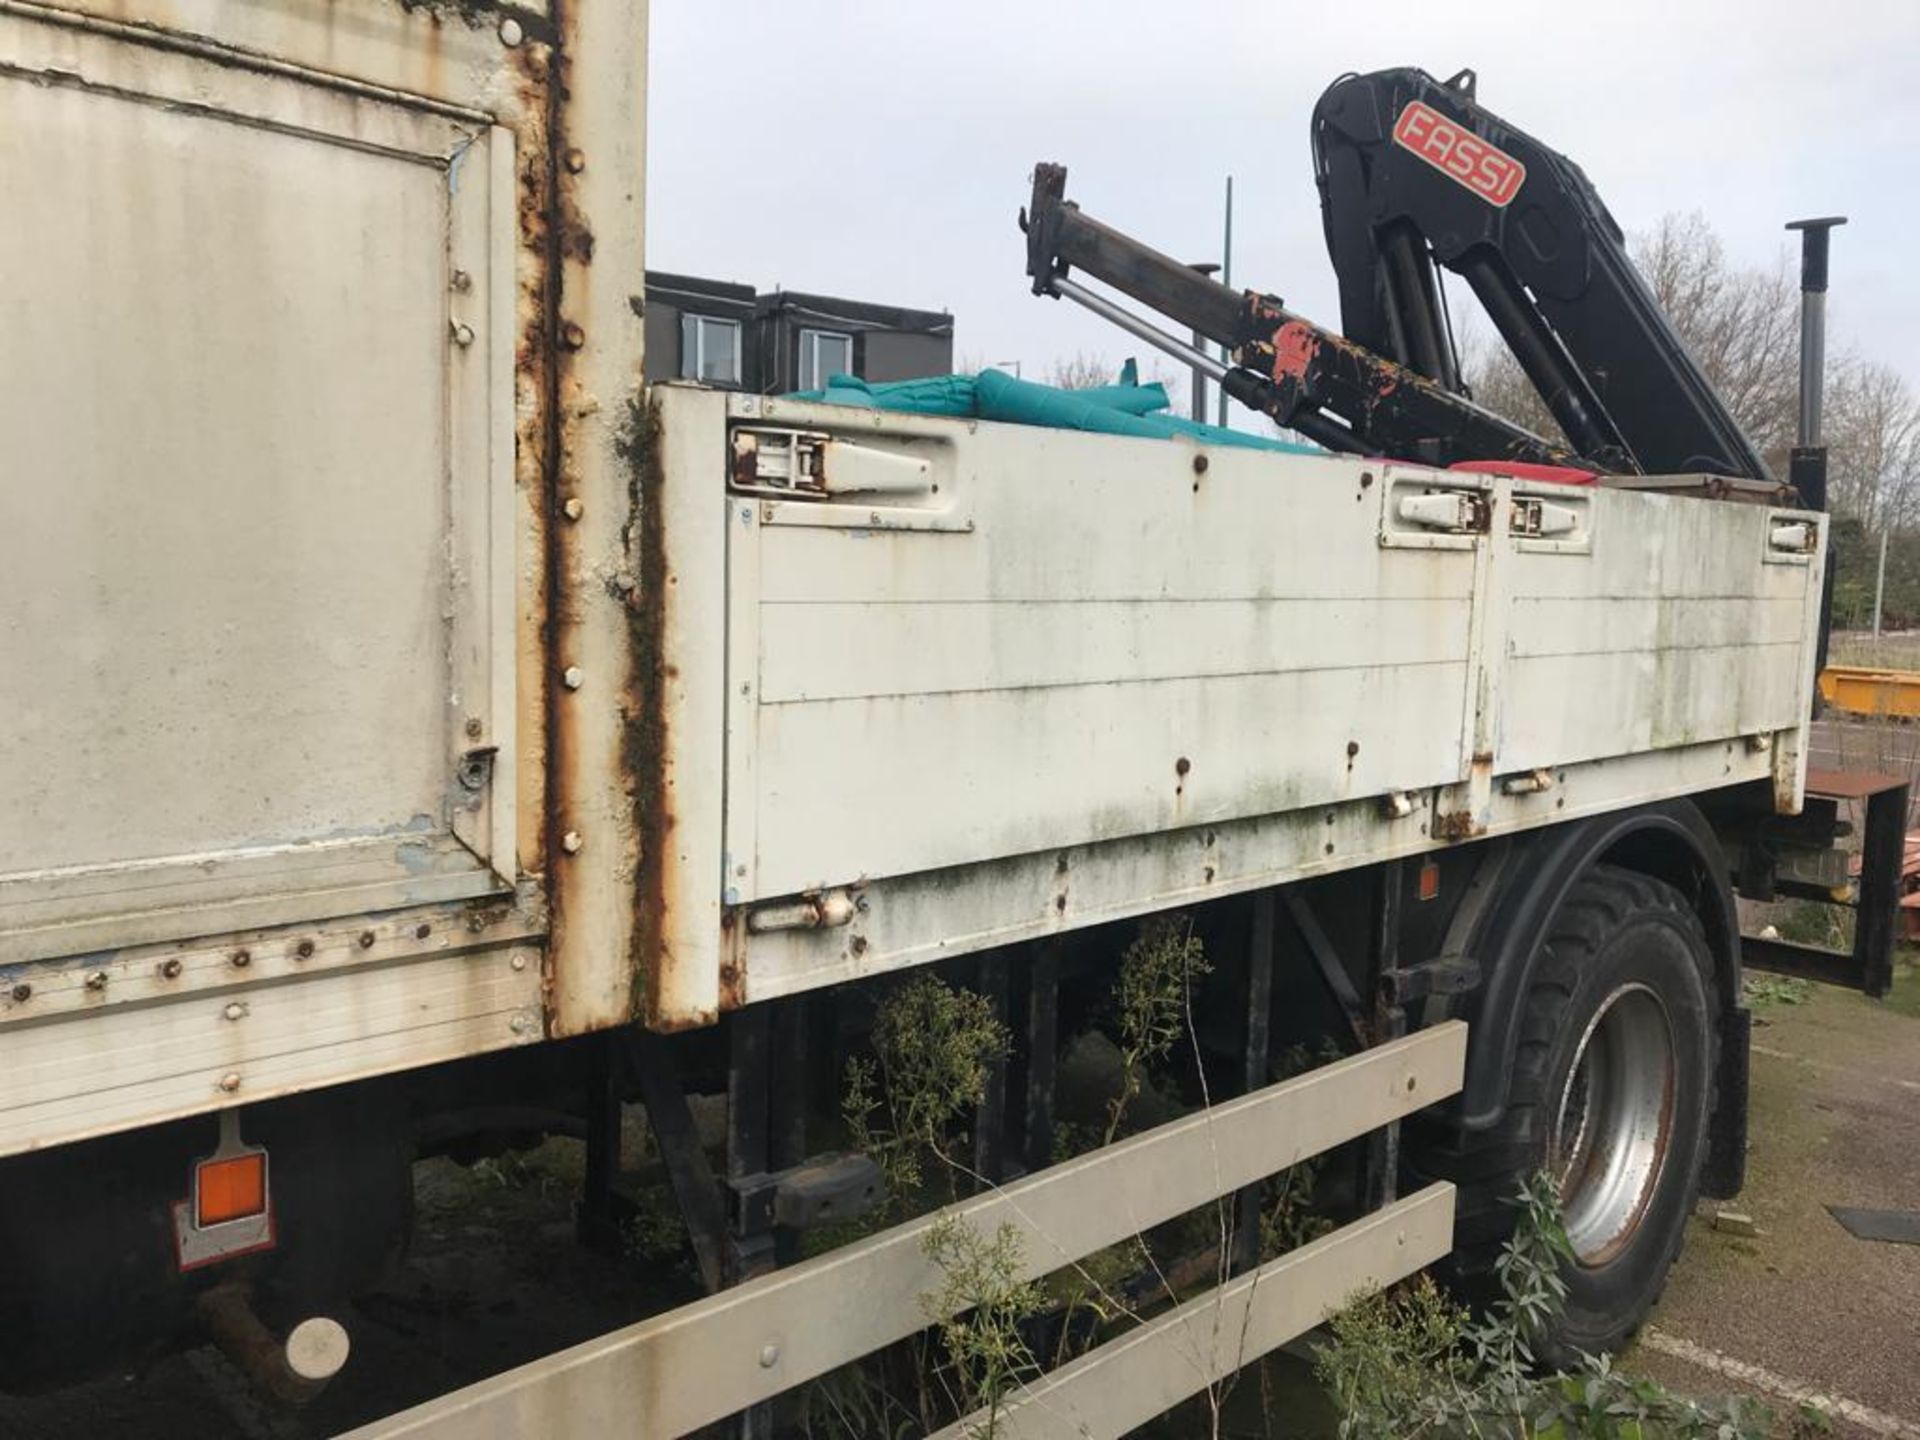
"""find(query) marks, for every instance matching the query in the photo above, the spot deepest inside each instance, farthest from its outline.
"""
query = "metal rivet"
(422, 930)
(475, 727)
(769, 1356)
(462, 281)
(97, 980)
(240, 959)
(575, 160)
(23, 992)
(571, 842)
(519, 962)
(462, 333)
(521, 1023)
(366, 939)
(235, 1011)
(1199, 464)
(304, 950)
(573, 509)
(230, 1082)
(511, 33)
(170, 969)
(572, 336)
(1412, 1084)
(573, 677)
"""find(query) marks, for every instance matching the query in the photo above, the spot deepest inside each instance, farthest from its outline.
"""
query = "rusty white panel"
(252, 587)
(673, 1373)
(143, 1064)
(912, 919)
(1673, 627)
(1120, 639)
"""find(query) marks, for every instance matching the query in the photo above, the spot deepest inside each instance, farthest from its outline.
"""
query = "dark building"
(725, 334)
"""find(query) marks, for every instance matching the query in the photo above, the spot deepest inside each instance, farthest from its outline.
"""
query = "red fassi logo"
(1483, 168)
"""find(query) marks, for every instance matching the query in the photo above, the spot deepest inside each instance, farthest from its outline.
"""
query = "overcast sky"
(880, 150)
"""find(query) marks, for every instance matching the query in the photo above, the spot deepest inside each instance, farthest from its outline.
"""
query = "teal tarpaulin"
(1123, 409)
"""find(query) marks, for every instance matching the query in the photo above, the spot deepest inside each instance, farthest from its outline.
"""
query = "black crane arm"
(1413, 172)
(1307, 378)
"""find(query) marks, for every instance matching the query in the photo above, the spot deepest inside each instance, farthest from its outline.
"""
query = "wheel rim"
(1611, 1131)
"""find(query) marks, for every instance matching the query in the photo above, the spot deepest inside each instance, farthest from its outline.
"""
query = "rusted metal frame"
(1326, 961)
(990, 1116)
(1868, 966)
(1152, 1367)
(1042, 1054)
(695, 1186)
(676, 1372)
(1381, 1178)
(1256, 1060)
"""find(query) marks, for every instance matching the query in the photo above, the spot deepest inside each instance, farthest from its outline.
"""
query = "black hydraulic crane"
(1415, 175)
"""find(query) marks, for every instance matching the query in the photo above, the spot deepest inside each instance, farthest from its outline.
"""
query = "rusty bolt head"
(519, 962)
(22, 993)
(1366, 478)
(462, 334)
(575, 160)
(1353, 748)
(304, 950)
(422, 930)
(1199, 464)
(230, 1082)
(1182, 766)
(572, 336)
(240, 959)
(476, 727)
(573, 677)
(97, 980)
(511, 32)
(235, 1011)
(571, 842)
(170, 969)
(462, 281)
(366, 939)
(574, 508)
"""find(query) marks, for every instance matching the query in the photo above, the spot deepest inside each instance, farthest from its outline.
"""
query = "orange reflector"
(1429, 880)
(232, 1187)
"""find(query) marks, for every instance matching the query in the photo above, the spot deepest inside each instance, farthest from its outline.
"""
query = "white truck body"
(388, 680)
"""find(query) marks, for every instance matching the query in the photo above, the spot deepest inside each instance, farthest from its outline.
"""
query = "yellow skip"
(1867, 690)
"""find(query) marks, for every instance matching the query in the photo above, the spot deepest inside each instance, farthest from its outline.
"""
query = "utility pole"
(1880, 582)
(1197, 406)
(1226, 278)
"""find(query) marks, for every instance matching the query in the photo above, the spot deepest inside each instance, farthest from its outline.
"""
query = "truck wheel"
(1612, 1092)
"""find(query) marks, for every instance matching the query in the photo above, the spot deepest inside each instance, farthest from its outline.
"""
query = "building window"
(823, 353)
(710, 350)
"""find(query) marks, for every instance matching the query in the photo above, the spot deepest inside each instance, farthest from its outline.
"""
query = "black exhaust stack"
(1807, 467)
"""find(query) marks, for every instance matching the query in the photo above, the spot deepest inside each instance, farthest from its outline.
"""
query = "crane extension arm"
(1414, 173)
(1307, 378)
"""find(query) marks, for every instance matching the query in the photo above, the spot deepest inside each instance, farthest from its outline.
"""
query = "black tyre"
(1612, 1093)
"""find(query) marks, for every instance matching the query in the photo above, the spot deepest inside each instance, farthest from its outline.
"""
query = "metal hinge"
(1796, 538)
(1460, 512)
(812, 465)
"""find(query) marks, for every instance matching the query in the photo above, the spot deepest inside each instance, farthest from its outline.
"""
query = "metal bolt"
(573, 509)
(170, 969)
(462, 333)
(304, 950)
(521, 1023)
(575, 160)
(422, 930)
(769, 1356)
(97, 980)
(519, 962)
(462, 281)
(241, 959)
(22, 993)
(1199, 464)
(573, 677)
(511, 33)
(230, 1082)
(571, 842)
(235, 1011)
(572, 336)
(476, 727)
(366, 939)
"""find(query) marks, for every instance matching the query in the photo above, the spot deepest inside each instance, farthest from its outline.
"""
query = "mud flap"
(1726, 1165)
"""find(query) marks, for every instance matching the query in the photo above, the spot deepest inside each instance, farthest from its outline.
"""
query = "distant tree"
(1081, 371)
